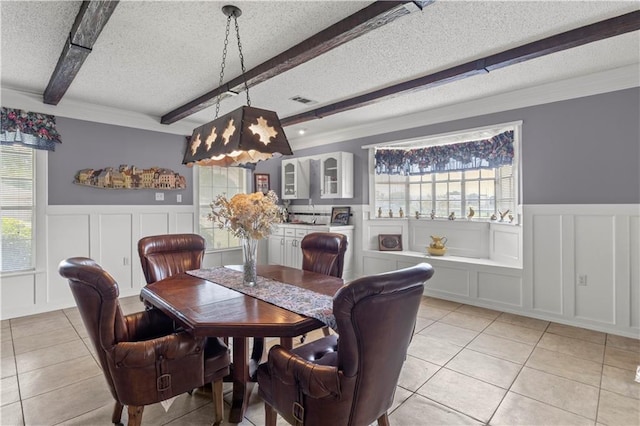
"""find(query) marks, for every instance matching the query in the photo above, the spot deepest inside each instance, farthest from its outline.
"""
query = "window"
(215, 180)
(17, 207)
(448, 174)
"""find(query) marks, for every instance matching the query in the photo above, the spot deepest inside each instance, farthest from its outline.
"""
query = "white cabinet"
(275, 248)
(292, 248)
(336, 175)
(295, 178)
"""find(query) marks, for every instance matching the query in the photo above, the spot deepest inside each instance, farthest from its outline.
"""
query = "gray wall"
(579, 151)
(88, 144)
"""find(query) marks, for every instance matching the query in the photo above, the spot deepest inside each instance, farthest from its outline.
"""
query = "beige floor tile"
(481, 312)
(422, 323)
(51, 355)
(514, 332)
(518, 410)
(52, 325)
(567, 366)
(617, 410)
(9, 392)
(479, 399)
(418, 410)
(620, 381)
(450, 333)
(99, 416)
(81, 330)
(440, 303)
(472, 322)
(42, 340)
(6, 348)
(566, 394)
(7, 367)
(11, 415)
(57, 376)
(45, 316)
(625, 343)
(432, 313)
(570, 346)
(5, 324)
(5, 334)
(577, 333)
(621, 358)
(415, 372)
(436, 351)
(254, 415)
(484, 367)
(67, 403)
(501, 348)
(523, 321)
(184, 405)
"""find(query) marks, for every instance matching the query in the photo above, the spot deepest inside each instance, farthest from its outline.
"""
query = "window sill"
(424, 257)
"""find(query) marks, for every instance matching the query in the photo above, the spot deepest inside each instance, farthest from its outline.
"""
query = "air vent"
(303, 100)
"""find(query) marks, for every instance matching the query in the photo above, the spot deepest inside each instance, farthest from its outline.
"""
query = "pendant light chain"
(246, 87)
(224, 59)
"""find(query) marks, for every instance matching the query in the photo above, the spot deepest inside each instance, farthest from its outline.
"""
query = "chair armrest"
(316, 381)
(146, 352)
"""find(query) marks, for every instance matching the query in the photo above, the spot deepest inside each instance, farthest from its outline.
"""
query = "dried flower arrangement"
(248, 216)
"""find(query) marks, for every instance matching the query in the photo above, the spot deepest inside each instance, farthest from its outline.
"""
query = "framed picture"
(261, 182)
(340, 215)
(390, 242)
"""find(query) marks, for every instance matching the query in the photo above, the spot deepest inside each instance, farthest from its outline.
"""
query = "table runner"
(290, 297)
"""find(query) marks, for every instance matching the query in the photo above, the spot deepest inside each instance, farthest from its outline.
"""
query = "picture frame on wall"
(261, 182)
(340, 215)
(390, 242)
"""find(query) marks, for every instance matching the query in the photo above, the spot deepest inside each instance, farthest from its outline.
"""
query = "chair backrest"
(323, 252)
(376, 318)
(162, 256)
(96, 294)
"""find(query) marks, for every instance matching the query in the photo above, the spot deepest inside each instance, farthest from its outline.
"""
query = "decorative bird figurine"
(472, 213)
(452, 216)
(494, 217)
(503, 215)
(433, 214)
(510, 218)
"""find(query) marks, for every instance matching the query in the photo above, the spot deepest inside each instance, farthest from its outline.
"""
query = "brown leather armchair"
(323, 252)
(143, 360)
(350, 380)
(162, 256)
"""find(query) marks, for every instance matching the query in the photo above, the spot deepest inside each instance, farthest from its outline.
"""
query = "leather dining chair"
(323, 252)
(350, 380)
(162, 256)
(143, 359)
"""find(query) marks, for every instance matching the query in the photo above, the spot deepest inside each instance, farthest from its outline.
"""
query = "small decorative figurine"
(417, 214)
(493, 217)
(433, 214)
(452, 216)
(510, 218)
(379, 211)
(503, 215)
(401, 212)
(437, 246)
(472, 213)
(390, 213)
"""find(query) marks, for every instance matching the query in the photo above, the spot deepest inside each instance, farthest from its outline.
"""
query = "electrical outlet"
(179, 198)
(582, 280)
(159, 196)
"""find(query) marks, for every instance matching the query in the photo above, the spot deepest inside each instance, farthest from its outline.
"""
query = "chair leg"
(383, 420)
(135, 415)
(270, 415)
(218, 403)
(326, 331)
(116, 417)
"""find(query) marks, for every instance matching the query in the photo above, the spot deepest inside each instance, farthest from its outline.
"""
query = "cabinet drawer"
(301, 232)
(289, 232)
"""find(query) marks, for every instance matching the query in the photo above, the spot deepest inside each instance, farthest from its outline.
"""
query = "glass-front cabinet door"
(295, 179)
(336, 175)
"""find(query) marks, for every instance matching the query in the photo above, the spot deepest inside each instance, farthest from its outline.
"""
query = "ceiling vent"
(303, 100)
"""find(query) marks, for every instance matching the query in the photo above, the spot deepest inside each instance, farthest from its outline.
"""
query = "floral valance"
(30, 129)
(489, 153)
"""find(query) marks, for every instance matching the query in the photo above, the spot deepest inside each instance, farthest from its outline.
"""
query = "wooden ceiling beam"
(368, 19)
(580, 36)
(90, 20)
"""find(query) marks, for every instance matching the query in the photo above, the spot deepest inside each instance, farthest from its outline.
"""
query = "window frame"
(442, 139)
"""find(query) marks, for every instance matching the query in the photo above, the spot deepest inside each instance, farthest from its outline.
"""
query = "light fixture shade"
(245, 135)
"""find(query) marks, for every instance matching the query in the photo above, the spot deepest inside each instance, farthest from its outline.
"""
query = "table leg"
(241, 383)
(286, 342)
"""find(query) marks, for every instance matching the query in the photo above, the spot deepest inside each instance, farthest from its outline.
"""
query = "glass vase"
(249, 261)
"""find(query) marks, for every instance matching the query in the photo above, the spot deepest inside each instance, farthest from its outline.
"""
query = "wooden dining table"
(205, 308)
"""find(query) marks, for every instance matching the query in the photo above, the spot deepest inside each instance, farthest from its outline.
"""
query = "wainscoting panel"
(505, 243)
(18, 292)
(499, 288)
(632, 297)
(547, 263)
(453, 281)
(154, 224)
(185, 223)
(116, 248)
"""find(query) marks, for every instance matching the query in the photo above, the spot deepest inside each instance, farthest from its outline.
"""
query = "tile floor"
(466, 365)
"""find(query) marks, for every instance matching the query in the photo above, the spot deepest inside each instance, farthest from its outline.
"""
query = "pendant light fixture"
(242, 137)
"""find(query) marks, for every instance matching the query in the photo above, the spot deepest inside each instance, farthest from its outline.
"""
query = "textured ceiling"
(155, 56)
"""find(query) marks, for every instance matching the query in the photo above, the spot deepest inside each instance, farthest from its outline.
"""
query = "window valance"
(29, 129)
(488, 153)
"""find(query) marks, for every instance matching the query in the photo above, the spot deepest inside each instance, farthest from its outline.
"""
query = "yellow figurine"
(472, 213)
